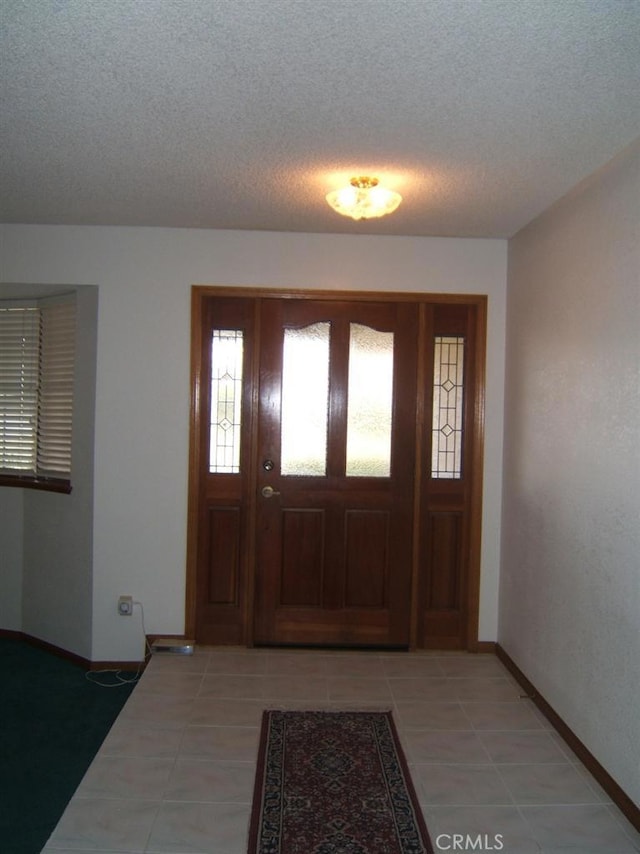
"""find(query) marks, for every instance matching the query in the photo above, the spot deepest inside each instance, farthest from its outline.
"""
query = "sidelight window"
(448, 376)
(227, 347)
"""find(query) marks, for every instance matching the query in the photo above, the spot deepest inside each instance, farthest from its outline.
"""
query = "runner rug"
(334, 783)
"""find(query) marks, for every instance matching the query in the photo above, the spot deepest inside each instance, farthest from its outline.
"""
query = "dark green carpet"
(52, 722)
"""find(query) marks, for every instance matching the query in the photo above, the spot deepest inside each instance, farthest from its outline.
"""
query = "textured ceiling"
(243, 114)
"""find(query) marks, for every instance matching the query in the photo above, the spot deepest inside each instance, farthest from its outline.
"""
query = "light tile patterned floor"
(175, 774)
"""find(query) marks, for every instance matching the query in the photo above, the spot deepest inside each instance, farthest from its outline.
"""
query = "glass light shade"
(364, 199)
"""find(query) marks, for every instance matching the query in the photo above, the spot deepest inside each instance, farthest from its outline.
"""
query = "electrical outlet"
(125, 606)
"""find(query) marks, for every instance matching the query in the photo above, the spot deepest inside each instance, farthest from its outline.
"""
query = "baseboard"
(85, 663)
(615, 792)
(486, 647)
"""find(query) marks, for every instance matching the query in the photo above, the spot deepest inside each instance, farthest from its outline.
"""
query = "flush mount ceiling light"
(364, 199)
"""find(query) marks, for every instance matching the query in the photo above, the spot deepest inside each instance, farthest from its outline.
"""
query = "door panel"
(326, 537)
(222, 557)
(367, 558)
(303, 537)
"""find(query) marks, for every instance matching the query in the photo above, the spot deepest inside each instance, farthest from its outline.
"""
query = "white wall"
(47, 551)
(570, 580)
(58, 529)
(142, 394)
(11, 558)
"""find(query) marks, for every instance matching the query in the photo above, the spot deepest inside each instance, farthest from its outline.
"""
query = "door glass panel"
(226, 400)
(369, 409)
(448, 375)
(305, 400)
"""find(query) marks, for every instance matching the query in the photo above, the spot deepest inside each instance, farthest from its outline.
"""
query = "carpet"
(52, 723)
(334, 783)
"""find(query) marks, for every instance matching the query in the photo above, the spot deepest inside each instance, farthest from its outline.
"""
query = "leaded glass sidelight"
(370, 402)
(226, 401)
(448, 378)
(305, 400)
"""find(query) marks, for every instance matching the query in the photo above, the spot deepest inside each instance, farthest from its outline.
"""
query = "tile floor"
(175, 774)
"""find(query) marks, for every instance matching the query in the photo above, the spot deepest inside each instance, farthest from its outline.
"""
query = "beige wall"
(142, 392)
(46, 550)
(11, 558)
(570, 579)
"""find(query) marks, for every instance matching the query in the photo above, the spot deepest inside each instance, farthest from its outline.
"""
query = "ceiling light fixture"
(364, 199)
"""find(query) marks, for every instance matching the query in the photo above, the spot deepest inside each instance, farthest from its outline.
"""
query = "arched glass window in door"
(370, 402)
(305, 400)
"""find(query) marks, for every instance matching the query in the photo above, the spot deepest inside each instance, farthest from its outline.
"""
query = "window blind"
(37, 358)
(55, 400)
(19, 364)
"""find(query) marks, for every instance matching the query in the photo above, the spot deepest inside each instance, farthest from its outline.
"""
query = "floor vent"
(172, 646)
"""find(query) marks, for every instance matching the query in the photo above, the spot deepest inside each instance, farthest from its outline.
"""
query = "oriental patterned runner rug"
(334, 783)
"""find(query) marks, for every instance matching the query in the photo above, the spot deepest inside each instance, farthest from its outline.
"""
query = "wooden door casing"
(221, 555)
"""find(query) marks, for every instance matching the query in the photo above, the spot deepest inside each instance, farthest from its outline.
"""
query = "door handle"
(268, 492)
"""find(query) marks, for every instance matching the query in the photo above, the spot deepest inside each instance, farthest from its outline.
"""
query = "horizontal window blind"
(37, 358)
(19, 366)
(55, 400)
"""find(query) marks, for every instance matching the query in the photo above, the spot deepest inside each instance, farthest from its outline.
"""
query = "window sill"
(47, 484)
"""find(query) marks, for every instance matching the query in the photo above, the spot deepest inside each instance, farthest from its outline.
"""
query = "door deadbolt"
(267, 465)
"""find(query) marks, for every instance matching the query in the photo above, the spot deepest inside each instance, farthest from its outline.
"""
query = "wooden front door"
(336, 440)
(335, 469)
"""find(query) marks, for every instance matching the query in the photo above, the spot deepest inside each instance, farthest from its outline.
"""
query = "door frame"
(199, 295)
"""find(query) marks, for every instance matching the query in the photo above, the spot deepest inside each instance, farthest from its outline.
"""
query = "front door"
(336, 439)
(335, 475)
